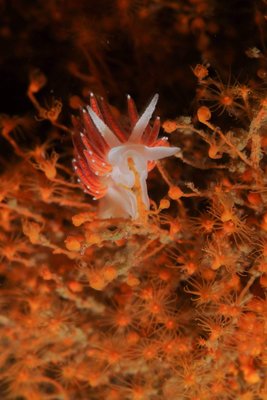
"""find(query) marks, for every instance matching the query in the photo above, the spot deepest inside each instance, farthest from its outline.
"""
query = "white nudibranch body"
(110, 160)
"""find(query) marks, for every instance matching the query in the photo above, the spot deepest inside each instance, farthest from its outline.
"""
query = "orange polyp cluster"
(175, 193)
(203, 224)
(200, 71)
(73, 243)
(48, 166)
(37, 81)
(203, 114)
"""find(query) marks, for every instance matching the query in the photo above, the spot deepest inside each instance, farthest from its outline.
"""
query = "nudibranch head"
(109, 159)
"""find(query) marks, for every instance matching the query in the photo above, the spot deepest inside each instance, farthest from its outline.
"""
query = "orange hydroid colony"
(133, 252)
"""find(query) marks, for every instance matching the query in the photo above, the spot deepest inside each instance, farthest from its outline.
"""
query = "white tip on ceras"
(143, 121)
(104, 130)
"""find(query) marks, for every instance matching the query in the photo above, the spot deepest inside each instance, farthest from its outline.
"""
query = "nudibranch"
(109, 159)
